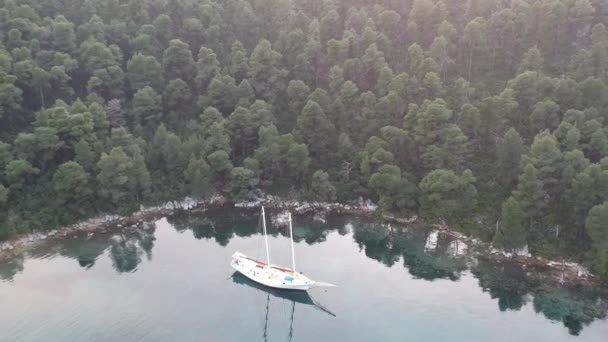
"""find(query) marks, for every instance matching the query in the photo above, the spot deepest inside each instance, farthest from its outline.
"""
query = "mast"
(265, 238)
(265, 335)
(293, 310)
(293, 255)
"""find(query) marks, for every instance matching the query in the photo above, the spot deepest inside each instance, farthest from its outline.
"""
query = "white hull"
(271, 276)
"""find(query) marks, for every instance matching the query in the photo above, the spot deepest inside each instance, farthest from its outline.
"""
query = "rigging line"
(258, 241)
(321, 307)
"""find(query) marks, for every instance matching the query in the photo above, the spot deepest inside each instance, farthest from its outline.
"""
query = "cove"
(172, 281)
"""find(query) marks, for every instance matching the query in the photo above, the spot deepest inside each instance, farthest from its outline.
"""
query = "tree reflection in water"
(573, 307)
(85, 250)
(514, 287)
(506, 282)
(128, 247)
(10, 268)
(387, 244)
(425, 253)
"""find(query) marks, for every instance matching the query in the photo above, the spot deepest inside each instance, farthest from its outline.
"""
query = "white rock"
(457, 248)
(252, 204)
(6, 247)
(431, 241)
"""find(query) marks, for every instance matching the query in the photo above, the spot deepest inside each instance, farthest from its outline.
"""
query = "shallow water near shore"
(172, 281)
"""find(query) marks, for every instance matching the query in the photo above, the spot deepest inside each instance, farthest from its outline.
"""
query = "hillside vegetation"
(456, 110)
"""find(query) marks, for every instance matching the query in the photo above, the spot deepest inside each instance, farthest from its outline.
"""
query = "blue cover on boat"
(288, 278)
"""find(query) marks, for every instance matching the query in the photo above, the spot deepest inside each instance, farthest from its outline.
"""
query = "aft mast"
(293, 254)
(265, 237)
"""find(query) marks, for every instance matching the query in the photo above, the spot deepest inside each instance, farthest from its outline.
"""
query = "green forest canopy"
(467, 112)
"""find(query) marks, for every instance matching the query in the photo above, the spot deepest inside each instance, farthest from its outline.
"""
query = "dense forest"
(488, 115)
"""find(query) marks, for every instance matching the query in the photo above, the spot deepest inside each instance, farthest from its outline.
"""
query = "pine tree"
(178, 62)
(547, 159)
(113, 175)
(511, 234)
(321, 188)
(266, 78)
(316, 131)
(243, 182)
(115, 113)
(71, 184)
(530, 193)
(4, 192)
(447, 197)
(508, 157)
(394, 190)
(533, 61)
(144, 71)
(147, 110)
(207, 67)
(597, 227)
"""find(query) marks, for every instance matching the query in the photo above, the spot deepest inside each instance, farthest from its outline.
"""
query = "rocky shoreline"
(565, 272)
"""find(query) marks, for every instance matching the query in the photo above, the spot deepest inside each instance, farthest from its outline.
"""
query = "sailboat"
(271, 275)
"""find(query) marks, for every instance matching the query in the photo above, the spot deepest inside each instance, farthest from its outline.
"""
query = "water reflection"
(425, 254)
(514, 287)
(294, 297)
(10, 268)
(574, 308)
(300, 297)
(387, 244)
(128, 247)
(508, 283)
(222, 225)
(86, 251)
(217, 224)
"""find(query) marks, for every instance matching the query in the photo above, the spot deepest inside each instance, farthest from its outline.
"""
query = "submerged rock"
(319, 217)
(281, 219)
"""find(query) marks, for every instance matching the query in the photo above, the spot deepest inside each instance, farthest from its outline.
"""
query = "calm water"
(173, 282)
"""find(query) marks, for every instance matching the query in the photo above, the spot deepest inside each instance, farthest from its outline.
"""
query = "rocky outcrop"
(565, 272)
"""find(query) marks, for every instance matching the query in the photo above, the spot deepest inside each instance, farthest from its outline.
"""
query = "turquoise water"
(173, 282)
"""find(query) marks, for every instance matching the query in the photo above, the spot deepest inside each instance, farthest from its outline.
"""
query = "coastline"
(564, 272)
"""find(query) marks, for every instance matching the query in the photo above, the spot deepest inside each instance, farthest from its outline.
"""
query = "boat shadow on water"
(299, 297)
